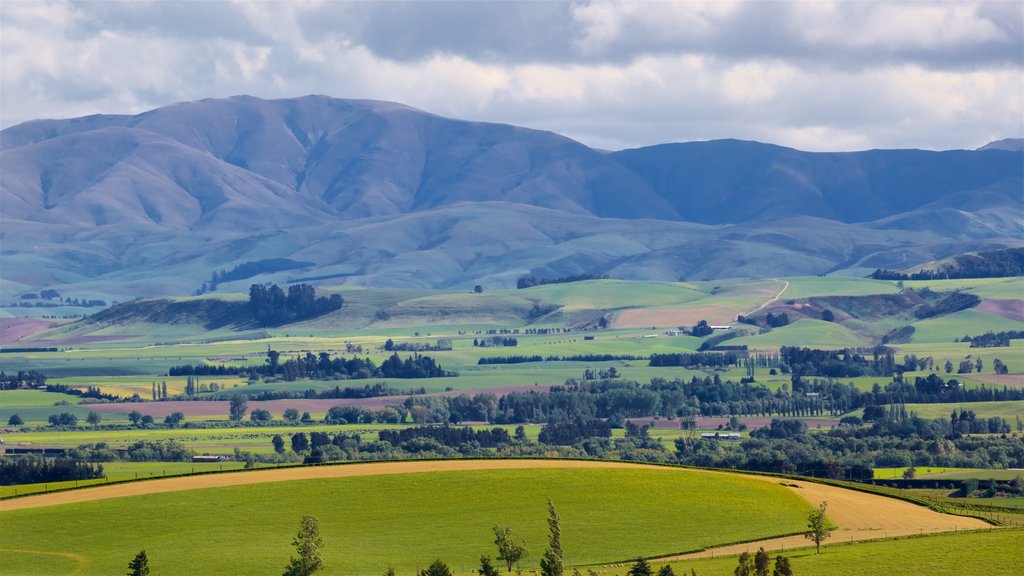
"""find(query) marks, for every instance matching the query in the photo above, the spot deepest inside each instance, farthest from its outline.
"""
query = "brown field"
(857, 516)
(13, 329)
(1011, 380)
(673, 317)
(1012, 309)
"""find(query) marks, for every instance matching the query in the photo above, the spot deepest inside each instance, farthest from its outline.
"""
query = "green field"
(805, 332)
(984, 553)
(1009, 410)
(957, 325)
(370, 523)
(930, 472)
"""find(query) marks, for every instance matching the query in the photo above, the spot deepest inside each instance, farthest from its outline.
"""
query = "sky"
(822, 76)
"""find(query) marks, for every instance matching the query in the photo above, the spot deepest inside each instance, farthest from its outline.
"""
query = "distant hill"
(1009, 144)
(377, 193)
(991, 264)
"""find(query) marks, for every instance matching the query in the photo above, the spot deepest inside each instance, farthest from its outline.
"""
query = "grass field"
(966, 322)
(1009, 410)
(370, 523)
(984, 553)
(121, 471)
(805, 332)
(928, 472)
(807, 286)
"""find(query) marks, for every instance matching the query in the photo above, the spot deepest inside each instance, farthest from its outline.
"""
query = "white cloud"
(813, 75)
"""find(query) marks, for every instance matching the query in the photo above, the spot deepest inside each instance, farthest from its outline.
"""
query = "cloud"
(814, 75)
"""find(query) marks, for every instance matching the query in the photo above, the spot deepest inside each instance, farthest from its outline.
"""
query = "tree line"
(992, 264)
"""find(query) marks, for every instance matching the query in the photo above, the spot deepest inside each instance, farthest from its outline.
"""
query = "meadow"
(992, 553)
(373, 522)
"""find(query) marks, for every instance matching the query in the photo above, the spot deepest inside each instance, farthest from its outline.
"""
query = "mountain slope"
(378, 193)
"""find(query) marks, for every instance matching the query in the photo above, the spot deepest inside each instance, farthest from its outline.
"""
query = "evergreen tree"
(551, 561)
(762, 563)
(139, 566)
(666, 570)
(486, 568)
(746, 565)
(641, 568)
(278, 442)
(438, 568)
(782, 567)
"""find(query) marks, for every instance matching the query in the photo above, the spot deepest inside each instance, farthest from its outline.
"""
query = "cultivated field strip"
(858, 515)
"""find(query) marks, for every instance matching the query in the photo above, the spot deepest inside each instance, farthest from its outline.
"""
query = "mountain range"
(377, 193)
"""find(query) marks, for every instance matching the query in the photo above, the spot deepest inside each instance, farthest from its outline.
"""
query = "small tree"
(438, 568)
(239, 405)
(666, 570)
(135, 416)
(486, 568)
(307, 543)
(909, 473)
(949, 366)
(762, 563)
(641, 568)
(94, 418)
(828, 316)
(299, 442)
(746, 565)
(478, 289)
(291, 415)
(818, 526)
(509, 551)
(139, 566)
(782, 567)
(278, 443)
(15, 420)
(260, 415)
(551, 562)
(174, 418)
(389, 572)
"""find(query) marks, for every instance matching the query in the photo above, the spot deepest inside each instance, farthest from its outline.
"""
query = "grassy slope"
(995, 553)
(805, 332)
(407, 520)
(966, 322)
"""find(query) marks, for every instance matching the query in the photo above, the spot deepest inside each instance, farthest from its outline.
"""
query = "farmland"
(387, 518)
(628, 321)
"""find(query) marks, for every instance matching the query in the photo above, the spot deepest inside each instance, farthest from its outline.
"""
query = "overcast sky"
(813, 75)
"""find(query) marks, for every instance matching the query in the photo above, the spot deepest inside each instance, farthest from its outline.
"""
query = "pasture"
(987, 552)
(372, 522)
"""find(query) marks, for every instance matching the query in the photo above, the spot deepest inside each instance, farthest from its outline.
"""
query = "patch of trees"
(992, 264)
(901, 335)
(955, 302)
(23, 379)
(448, 436)
(90, 392)
(25, 350)
(271, 307)
(442, 345)
(807, 362)
(993, 339)
(572, 431)
(323, 367)
(531, 281)
(495, 342)
(573, 358)
(30, 470)
(701, 359)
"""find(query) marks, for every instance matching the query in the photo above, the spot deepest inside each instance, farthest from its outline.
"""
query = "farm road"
(858, 515)
(772, 300)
